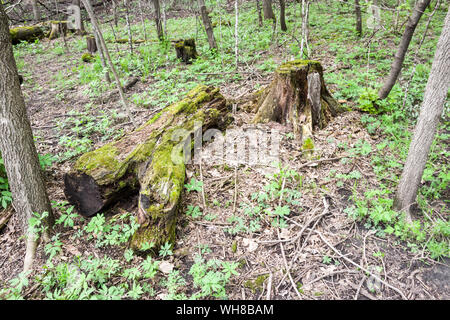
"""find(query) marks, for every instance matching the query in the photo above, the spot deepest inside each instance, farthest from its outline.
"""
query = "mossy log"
(28, 34)
(297, 96)
(186, 50)
(125, 40)
(143, 161)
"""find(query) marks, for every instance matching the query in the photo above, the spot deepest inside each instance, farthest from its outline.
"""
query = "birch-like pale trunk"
(430, 113)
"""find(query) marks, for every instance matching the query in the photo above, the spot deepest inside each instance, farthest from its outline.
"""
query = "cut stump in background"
(91, 44)
(186, 50)
(297, 96)
(143, 160)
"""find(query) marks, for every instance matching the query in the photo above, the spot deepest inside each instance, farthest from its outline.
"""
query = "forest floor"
(320, 253)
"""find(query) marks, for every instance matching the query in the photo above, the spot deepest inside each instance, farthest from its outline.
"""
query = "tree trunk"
(283, 15)
(149, 160)
(159, 27)
(207, 23)
(413, 20)
(258, 8)
(81, 30)
(267, 10)
(104, 49)
(433, 104)
(36, 12)
(127, 17)
(358, 18)
(297, 96)
(17, 145)
(115, 13)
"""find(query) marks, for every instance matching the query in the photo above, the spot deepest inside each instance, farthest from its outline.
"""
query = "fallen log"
(297, 96)
(142, 161)
(27, 34)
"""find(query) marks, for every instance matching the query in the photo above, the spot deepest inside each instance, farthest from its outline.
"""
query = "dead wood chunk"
(148, 160)
(27, 34)
(297, 96)
(186, 50)
(59, 28)
(91, 44)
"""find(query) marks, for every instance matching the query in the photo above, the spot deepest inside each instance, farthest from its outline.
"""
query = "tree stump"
(297, 96)
(143, 161)
(58, 28)
(186, 50)
(28, 34)
(91, 44)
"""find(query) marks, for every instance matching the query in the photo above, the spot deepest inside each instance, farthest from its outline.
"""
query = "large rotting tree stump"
(297, 96)
(186, 50)
(142, 161)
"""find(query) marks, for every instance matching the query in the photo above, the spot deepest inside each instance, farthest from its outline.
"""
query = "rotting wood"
(143, 161)
(297, 96)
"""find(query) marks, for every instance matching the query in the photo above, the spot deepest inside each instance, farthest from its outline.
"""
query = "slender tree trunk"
(433, 105)
(115, 14)
(159, 28)
(258, 8)
(207, 23)
(236, 33)
(283, 15)
(144, 29)
(358, 18)
(413, 20)
(267, 10)
(127, 17)
(102, 56)
(17, 146)
(88, 6)
(36, 12)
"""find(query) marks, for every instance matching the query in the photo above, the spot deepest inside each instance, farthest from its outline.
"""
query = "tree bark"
(267, 10)
(149, 160)
(159, 27)
(413, 20)
(207, 23)
(36, 11)
(258, 8)
(283, 15)
(78, 4)
(358, 18)
(127, 17)
(432, 108)
(17, 145)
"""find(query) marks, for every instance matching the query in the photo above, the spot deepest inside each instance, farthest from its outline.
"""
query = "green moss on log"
(28, 34)
(143, 159)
